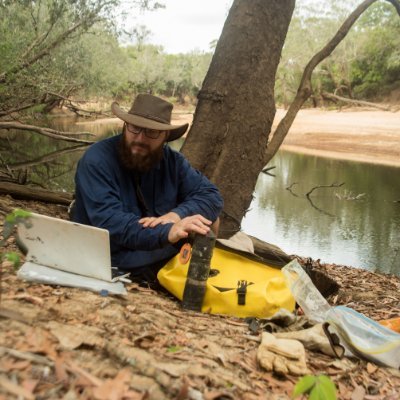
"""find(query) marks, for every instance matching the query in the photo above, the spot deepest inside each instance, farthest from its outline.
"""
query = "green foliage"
(174, 349)
(18, 216)
(11, 221)
(12, 257)
(318, 387)
(364, 64)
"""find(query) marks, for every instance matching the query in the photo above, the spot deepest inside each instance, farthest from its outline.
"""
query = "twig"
(46, 132)
(290, 189)
(25, 355)
(267, 169)
(323, 186)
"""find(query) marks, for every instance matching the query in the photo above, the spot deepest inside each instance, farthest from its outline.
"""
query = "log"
(356, 102)
(24, 192)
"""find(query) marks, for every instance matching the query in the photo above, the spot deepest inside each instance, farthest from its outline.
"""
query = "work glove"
(283, 356)
(315, 339)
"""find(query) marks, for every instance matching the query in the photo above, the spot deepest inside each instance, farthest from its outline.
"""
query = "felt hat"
(150, 112)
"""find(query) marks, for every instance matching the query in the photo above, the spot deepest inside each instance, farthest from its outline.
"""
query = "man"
(144, 193)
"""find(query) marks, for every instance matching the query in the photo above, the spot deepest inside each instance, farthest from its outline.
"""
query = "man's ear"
(167, 135)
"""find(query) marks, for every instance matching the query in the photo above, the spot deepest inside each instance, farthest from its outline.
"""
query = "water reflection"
(31, 158)
(362, 233)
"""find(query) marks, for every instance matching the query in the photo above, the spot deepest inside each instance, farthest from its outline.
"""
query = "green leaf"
(174, 349)
(18, 213)
(304, 385)
(13, 257)
(324, 389)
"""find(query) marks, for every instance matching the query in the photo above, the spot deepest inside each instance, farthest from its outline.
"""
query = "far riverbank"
(356, 135)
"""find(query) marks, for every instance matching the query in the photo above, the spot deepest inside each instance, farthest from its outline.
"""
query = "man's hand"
(195, 223)
(151, 222)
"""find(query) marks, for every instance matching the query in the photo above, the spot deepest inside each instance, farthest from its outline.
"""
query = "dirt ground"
(65, 343)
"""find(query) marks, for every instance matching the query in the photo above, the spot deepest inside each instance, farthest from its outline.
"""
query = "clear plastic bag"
(365, 337)
(360, 335)
(307, 296)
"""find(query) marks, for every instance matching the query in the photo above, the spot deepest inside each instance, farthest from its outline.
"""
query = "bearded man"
(144, 193)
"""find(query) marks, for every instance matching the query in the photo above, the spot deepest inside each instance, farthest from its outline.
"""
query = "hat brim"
(175, 131)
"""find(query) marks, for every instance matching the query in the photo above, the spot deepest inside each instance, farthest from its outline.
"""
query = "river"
(353, 221)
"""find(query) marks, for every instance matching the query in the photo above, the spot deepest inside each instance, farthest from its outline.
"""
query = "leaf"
(13, 257)
(324, 389)
(304, 385)
(174, 349)
(371, 368)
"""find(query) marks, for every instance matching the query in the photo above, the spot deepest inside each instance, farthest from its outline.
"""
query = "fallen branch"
(52, 133)
(352, 101)
(324, 186)
(16, 109)
(44, 159)
(30, 193)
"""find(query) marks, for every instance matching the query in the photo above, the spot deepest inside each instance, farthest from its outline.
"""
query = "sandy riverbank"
(359, 135)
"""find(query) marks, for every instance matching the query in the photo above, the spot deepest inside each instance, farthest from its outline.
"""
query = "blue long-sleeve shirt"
(106, 198)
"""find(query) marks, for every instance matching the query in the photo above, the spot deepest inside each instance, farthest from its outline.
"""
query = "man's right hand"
(195, 223)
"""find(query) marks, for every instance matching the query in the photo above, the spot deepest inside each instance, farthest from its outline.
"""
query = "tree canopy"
(51, 50)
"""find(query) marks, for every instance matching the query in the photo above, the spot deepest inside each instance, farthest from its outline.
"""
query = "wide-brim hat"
(150, 112)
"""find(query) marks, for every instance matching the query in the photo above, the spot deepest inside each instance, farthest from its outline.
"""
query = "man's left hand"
(151, 222)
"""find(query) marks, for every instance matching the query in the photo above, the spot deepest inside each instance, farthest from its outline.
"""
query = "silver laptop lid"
(67, 246)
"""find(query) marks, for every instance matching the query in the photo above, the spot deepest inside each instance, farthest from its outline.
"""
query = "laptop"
(66, 253)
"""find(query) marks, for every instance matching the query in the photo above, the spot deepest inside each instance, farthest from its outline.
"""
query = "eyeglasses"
(150, 133)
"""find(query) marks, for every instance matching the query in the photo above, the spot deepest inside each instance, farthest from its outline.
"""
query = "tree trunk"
(236, 105)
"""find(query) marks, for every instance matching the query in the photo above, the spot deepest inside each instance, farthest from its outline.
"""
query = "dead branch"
(267, 169)
(82, 112)
(16, 109)
(30, 193)
(289, 188)
(305, 88)
(52, 133)
(352, 101)
(324, 186)
(46, 158)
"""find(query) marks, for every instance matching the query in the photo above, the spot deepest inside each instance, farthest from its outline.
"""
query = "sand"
(359, 135)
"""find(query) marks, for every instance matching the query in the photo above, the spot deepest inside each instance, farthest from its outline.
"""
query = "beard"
(139, 162)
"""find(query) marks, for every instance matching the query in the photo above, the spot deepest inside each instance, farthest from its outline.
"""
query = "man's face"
(141, 149)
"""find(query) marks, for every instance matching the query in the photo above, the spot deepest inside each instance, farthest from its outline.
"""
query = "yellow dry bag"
(237, 285)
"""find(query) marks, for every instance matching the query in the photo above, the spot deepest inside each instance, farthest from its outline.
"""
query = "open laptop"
(66, 253)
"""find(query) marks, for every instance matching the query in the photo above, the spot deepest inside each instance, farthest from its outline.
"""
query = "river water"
(357, 223)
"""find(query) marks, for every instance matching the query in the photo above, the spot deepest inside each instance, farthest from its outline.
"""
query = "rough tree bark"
(236, 104)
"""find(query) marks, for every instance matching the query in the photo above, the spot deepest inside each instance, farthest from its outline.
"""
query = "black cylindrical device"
(199, 269)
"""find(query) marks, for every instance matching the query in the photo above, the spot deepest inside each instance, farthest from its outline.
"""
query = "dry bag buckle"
(241, 291)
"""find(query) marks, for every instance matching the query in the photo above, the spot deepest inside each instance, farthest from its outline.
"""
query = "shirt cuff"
(164, 231)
